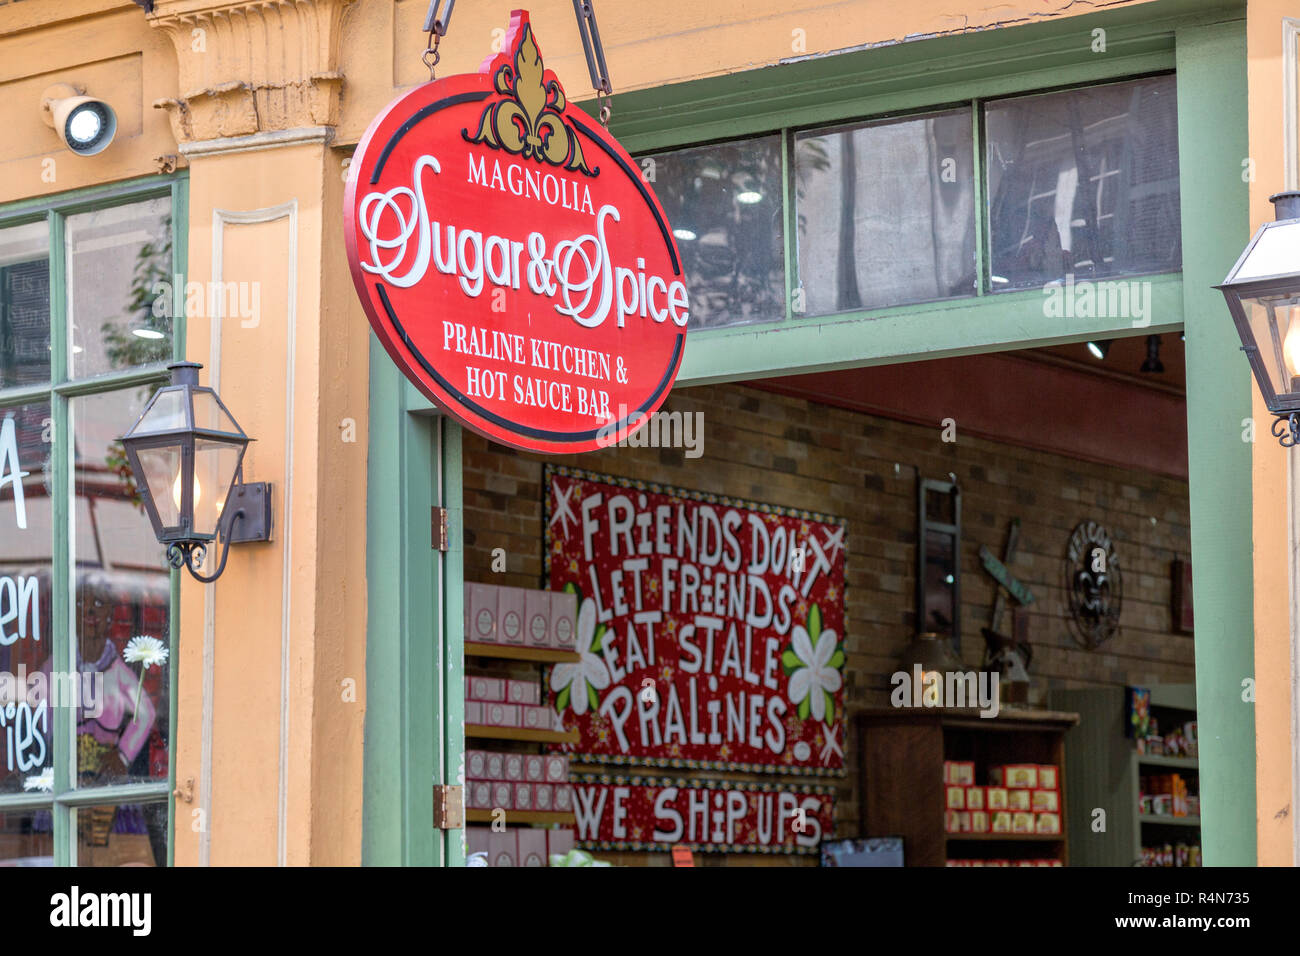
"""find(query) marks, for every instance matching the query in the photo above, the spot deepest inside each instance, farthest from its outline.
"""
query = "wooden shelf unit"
(516, 652)
(484, 732)
(1114, 772)
(478, 815)
(900, 757)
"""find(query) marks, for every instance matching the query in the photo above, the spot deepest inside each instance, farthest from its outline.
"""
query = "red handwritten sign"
(672, 814)
(511, 259)
(711, 630)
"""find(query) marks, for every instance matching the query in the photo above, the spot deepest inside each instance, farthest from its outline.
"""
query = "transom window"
(991, 196)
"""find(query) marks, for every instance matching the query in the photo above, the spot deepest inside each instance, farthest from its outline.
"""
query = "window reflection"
(886, 213)
(725, 206)
(24, 305)
(131, 834)
(26, 838)
(122, 603)
(1084, 182)
(120, 287)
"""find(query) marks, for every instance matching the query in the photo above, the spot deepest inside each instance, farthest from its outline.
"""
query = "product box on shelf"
(995, 798)
(478, 795)
(502, 795)
(482, 600)
(1047, 777)
(1047, 823)
(959, 773)
(476, 840)
(975, 798)
(475, 765)
(503, 848)
(564, 619)
(951, 821)
(544, 796)
(1046, 801)
(501, 715)
(537, 619)
(1019, 800)
(557, 768)
(510, 615)
(514, 767)
(523, 796)
(963, 821)
(485, 688)
(473, 711)
(1022, 822)
(1015, 776)
(558, 842)
(1000, 821)
(955, 798)
(535, 717)
(563, 798)
(523, 692)
(496, 766)
(979, 821)
(534, 768)
(532, 847)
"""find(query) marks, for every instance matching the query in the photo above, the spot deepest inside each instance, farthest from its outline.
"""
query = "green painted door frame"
(414, 731)
(1205, 43)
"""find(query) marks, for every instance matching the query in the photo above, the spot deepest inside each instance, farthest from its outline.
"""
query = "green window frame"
(59, 392)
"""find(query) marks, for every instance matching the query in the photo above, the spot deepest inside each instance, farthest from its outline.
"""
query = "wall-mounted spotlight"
(1099, 349)
(1153, 363)
(84, 124)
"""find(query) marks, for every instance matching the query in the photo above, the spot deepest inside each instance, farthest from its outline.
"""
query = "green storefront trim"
(414, 730)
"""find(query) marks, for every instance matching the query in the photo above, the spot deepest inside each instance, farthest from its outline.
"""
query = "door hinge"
(448, 807)
(439, 529)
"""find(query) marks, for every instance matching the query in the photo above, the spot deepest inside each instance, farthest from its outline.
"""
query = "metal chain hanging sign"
(511, 258)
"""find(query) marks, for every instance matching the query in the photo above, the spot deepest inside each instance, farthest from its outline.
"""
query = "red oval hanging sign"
(512, 260)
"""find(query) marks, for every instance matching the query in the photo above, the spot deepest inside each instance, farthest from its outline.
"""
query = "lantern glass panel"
(209, 414)
(162, 472)
(215, 464)
(1275, 324)
(167, 413)
(1277, 252)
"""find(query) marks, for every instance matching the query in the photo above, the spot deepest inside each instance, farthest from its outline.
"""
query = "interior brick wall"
(788, 451)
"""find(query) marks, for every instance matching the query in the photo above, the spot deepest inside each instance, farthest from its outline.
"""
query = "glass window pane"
(26, 549)
(26, 838)
(119, 287)
(886, 213)
(1084, 182)
(133, 834)
(724, 204)
(166, 414)
(24, 305)
(123, 602)
(214, 472)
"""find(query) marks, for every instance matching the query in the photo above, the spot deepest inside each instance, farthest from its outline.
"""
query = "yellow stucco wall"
(1273, 665)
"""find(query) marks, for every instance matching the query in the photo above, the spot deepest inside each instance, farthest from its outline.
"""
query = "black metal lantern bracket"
(245, 518)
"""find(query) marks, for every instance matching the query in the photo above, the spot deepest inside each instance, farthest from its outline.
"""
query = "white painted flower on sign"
(577, 683)
(43, 781)
(812, 662)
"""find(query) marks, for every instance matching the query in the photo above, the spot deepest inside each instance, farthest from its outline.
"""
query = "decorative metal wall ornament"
(1093, 585)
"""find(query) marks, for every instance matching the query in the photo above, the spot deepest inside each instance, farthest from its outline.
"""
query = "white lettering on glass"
(10, 472)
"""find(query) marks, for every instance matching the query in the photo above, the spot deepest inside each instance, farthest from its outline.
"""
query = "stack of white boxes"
(518, 616)
(514, 781)
(524, 846)
(501, 702)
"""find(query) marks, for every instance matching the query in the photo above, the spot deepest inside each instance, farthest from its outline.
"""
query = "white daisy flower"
(40, 781)
(147, 651)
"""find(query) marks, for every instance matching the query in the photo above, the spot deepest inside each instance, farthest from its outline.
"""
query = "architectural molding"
(252, 66)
